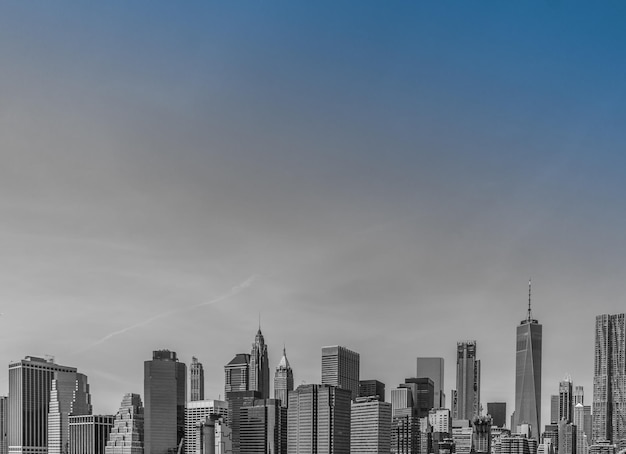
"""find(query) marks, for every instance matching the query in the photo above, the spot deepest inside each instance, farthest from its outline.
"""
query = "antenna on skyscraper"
(529, 314)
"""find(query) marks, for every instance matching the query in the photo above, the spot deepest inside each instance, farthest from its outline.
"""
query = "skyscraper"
(196, 379)
(340, 367)
(528, 373)
(467, 381)
(259, 367)
(318, 420)
(423, 394)
(609, 381)
(88, 434)
(565, 400)
(4, 447)
(164, 391)
(236, 401)
(127, 434)
(69, 395)
(497, 411)
(263, 427)
(372, 388)
(30, 382)
(196, 412)
(370, 426)
(237, 374)
(433, 369)
(283, 380)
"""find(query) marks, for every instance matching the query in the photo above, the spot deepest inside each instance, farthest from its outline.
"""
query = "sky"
(385, 176)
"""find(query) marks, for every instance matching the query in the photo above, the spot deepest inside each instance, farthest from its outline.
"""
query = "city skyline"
(386, 179)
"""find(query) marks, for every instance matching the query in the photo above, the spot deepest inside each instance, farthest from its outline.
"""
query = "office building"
(433, 369)
(127, 435)
(69, 395)
(370, 426)
(88, 434)
(528, 373)
(318, 420)
(462, 434)
(259, 367)
(340, 367)
(609, 381)
(440, 420)
(4, 447)
(30, 383)
(578, 397)
(603, 447)
(518, 444)
(423, 394)
(481, 437)
(196, 380)
(372, 388)
(213, 436)
(283, 380)
(263, 427)
(237, 374)
(467, 393)
(236, 401)
(196, 412)
(165, 381)
(567, 437)
(497, 411)
(554, 409)
(579, 424)
(565, 400)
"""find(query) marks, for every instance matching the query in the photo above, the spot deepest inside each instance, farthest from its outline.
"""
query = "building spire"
(530, 317)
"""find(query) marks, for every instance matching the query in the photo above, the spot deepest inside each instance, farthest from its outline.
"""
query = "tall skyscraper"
(165, 381)
(196, 379)
(196, 412)
(423, 394)
(370, 426)
(318, 420)
(467, 381)
(4, 447)
(578, 396)
(237, 374)
(497, 411)
(30, 382)
(609, 381)
(259, 366)
(405, 426)
(554, 409)
(565, 400)
(433, 369)
(340, 367)
(127, 434)
(528, 373)
(263, 428)
(372, 388)
(88, 434)
(283, 380)
(69, 395)
(236, 401)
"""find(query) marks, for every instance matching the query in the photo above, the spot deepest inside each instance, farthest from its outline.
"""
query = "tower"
(126, 436)
(433, 369)
(340, 367)
(565, 400)
(30, 382)
(259, 366)
(196, 413)
(370, 426)
(283, 380)
(263, 427)
(69, 395)
(528, 373)
(467, 381)
(196, 379)
(609, 381)
(164, 392)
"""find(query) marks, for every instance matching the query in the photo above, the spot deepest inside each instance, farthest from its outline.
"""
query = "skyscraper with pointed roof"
(528, 373)
(259, 366)
(283, 380)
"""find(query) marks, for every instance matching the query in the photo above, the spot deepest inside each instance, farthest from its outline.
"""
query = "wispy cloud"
(233, 291)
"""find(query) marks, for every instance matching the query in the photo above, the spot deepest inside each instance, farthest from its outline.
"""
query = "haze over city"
(384, 177)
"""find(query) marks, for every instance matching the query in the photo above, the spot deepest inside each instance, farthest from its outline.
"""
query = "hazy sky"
(380, 175)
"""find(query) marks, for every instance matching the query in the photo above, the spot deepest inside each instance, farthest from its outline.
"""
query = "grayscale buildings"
(528, 373)
(609, 381)
(263, 428)
(565, 400)
(372, 388)
(283, 380)
(4, 447)
(433, 369)
(554, 409)
(196, 412)
(318, 420)
(259, 367)
(196, 380)
(126, 435)
(370, 426)
(340, 367)
(30, 382)
(466, 399)
(236, 401)
(497, 411)
(69, 395)
(237, 373)
(88, 434)
(423, 394)
(165, 381)
(405, 427)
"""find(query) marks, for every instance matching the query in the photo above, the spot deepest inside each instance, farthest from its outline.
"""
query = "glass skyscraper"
(340, 367)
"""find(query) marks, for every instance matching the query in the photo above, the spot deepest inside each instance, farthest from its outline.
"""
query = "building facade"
(88, 434)
(340, 367)
(433, 369)
(467, 398)
(370, 426)
(283, 380)
(263, 427)
(4, 447)
(259, 367)
(196, 380)
(196, 412)
(127, 435)
(497, 411)
(237, 374)
(565, 400)
(69, 395)
(372, 388)
(165, 380)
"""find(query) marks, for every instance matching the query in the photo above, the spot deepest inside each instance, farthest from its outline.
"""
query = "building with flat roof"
(433, 368)
(370, 426)
(196, 412)
(88, 434)
(372, 388)
(340, 367)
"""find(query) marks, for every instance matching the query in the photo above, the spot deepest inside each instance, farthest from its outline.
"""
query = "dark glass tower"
(164, 392)
(467, 381)
(528, 373)
(259, 367)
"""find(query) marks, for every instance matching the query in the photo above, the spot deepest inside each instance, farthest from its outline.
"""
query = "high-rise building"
(340, 367)
(197, 411)
(259, 367)
(196, 380)
(609, 381)
(283, 380)
(4, 447)
(88, 434)
(567, 437)
(497, 411)
(528, 373)
(467, 381)
(423, 394)
(579, 424)
(370, 426)
(372, 388)
(481, 438)
(440, 420)
(433, 369)
(263, 427)
(405, 426)
(127, 435)
(30, 383)
(565, 400)
(318, 420)
(578, 396)
(554, 409)
(69, 395)
(518, 444)
(237, 374)
(236, 401)
(165, 383)
(462, 434)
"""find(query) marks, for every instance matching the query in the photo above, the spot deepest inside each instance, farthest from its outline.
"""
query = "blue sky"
(382, 176)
